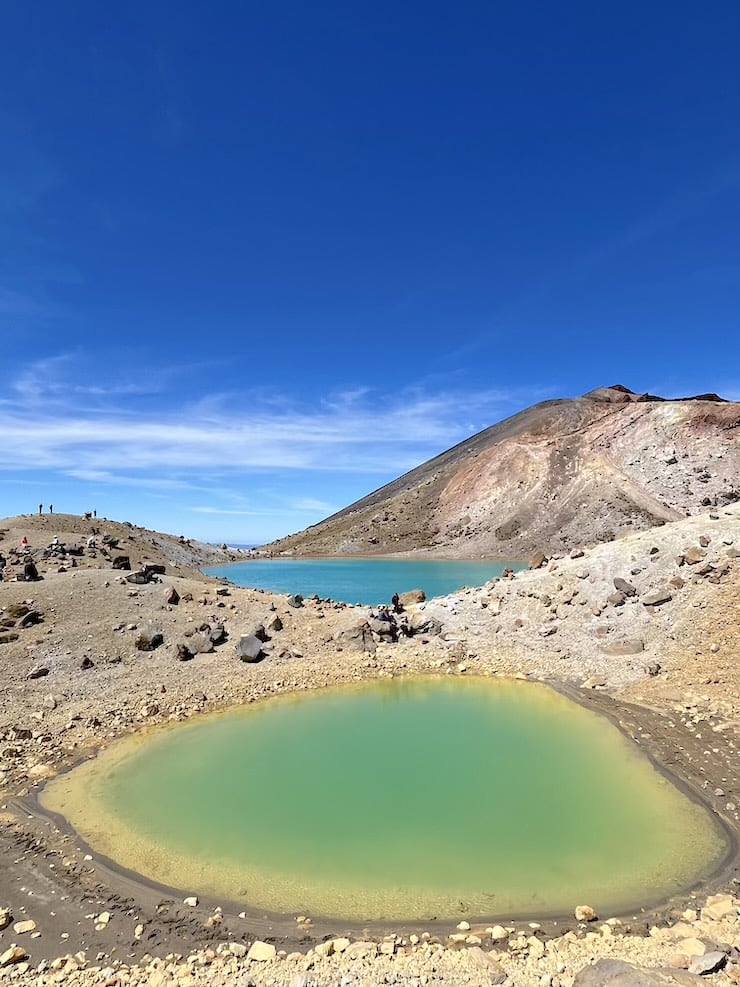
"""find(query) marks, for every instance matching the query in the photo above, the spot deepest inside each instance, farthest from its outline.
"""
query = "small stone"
(237, 949)
(191, 901)
(249, 648)
(678, 961)
(708, 963)
(38, 672)
(718, 906)
(657, 597)
(261, 951)
(497, 933)
(22, 927)
(463, 926)
(594, 682)
(6, 917)
(585, 913)
(627, 646)
(622, 586)
(536, 947)
(691, 947)
(14, 954)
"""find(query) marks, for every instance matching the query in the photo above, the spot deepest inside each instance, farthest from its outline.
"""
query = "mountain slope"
(559, 474)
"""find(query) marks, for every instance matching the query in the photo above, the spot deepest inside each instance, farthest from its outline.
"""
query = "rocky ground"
(644, 628)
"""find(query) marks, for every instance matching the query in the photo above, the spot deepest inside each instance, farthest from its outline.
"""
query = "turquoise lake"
(367, 581)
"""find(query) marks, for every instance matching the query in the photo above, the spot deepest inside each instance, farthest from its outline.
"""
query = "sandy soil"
(99, 685)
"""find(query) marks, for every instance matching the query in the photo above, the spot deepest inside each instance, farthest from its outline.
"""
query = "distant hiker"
(396, 601)
(51, 508)
(95, 513)
(24, 543)
(41, 508)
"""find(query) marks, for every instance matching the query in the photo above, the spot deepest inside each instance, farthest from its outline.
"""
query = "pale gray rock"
(624, 587)
(249, 648)
(627, 646)
(618, 973)
(708, 963)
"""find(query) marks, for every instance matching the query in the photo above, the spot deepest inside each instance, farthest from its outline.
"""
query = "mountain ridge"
(561, 473)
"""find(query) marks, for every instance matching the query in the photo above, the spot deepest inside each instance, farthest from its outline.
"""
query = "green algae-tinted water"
(401, 799)
(367, 581)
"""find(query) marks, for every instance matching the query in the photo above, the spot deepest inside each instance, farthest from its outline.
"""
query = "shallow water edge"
(626, 718)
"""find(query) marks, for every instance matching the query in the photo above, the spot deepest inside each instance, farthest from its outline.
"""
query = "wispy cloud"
(46, 424)
(125, 480)
(69, 383)
(233, 512)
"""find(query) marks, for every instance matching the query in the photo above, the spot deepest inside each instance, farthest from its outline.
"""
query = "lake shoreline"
(121, 883)
(360, 581)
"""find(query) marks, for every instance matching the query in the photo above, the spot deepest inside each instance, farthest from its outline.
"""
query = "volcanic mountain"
(560, 474)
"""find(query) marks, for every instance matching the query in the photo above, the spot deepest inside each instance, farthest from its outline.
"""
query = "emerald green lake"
(367, 581)
(398, 799)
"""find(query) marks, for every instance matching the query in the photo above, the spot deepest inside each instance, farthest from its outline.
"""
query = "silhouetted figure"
(95, 513)
(395, 600)
(51, 508)
(41, 508)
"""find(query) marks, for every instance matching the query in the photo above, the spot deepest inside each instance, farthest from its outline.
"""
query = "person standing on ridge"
(51, 508)
(41, 508)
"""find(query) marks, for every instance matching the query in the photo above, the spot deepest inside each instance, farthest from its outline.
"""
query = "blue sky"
(258, 259)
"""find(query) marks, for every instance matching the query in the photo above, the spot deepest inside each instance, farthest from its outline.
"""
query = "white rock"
(536, 947)
(585, 913)
(261, 951)
(718, 906)
(191, 901)
(691, 947)
(14, 954)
